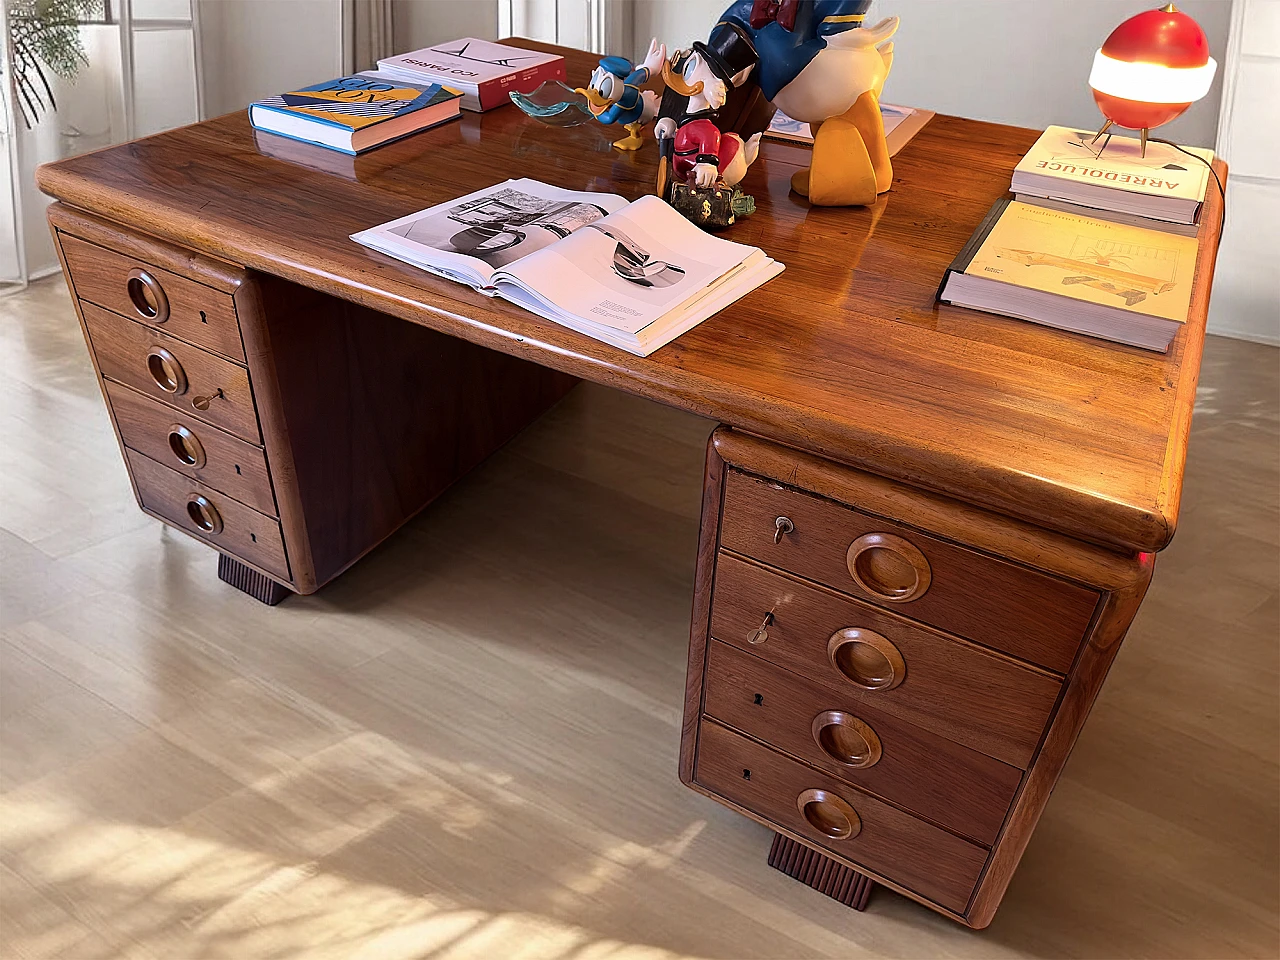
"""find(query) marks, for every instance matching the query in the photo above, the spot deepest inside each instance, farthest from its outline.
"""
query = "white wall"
(1246, 285)
(1024, 62)
(421, 23)
(255, 48)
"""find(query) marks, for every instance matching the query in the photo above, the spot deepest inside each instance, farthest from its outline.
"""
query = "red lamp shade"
(1151, 68)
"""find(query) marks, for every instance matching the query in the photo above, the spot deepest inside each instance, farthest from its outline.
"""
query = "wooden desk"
(925, 530)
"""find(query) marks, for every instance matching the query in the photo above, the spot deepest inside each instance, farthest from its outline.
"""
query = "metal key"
(761, 633)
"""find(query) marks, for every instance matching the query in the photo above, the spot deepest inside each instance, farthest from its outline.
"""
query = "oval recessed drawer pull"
(846, 739)
(186, 446)
(866, 658)
(147, 296)
(888, 567)
(166, 371)
(829, 814)
(204, 514)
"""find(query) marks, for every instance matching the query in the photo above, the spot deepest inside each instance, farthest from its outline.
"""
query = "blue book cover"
(352, 105)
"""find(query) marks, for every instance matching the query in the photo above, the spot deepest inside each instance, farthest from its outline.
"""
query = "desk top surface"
(845, 354)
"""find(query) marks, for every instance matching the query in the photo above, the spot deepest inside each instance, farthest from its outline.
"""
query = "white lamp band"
(1150, 82)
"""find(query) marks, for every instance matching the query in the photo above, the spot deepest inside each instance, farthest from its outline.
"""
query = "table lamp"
(1151, 68)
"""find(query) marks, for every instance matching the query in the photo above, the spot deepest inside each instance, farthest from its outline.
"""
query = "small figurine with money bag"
(707, 163)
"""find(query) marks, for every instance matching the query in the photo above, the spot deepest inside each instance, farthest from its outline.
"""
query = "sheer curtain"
(371, 32)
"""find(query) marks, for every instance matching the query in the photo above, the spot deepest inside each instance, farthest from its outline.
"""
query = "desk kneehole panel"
(140, 291)
(864, 655)
(185, 377)
(210, 515)
(842, 820)
(193, 448)
(954, 786)
(1028, 614)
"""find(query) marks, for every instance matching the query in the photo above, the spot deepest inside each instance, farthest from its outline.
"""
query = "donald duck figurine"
(821, 66)
(614, 95)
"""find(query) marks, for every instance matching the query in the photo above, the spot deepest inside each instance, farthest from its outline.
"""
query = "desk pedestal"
(289, 430)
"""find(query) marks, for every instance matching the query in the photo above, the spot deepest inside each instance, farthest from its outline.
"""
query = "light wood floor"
(466, 747)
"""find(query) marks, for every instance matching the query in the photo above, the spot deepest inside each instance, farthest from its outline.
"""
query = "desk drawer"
(821, 809)
(957, 690)
(193, 448)
(184, 308)
(961, 789)
(1030, 615)
(173, 372)
(212, 516)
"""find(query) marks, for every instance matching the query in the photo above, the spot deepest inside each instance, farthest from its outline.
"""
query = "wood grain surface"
(121, 347)
(991, 601)
(961, 789)
(845, 354)
(378, 417)
(230, 465)
(196, 313)
(927, 860)
(246, 534)
(955, 689)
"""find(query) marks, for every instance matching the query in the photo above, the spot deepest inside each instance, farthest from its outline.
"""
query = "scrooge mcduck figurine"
(703, 154)
(821, 66)
(614, 96)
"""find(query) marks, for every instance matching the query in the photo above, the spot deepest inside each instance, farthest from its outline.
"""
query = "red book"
(484, 72)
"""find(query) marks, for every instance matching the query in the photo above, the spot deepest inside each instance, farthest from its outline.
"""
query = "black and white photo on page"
(500, 227)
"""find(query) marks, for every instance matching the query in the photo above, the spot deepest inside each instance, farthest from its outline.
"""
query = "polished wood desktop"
(925, 529)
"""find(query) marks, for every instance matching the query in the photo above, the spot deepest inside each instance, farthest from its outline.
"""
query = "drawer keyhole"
(203, 318)
(746, 774)
(759, 700)
(253, 537)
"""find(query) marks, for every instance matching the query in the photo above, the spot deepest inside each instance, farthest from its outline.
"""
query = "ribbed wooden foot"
(250, 581)
(822, 873)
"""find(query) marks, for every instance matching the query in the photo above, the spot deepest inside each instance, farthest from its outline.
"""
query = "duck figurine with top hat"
(614, 96)
(703, 154)
(821, 66)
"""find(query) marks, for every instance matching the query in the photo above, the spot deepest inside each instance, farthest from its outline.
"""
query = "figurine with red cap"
(1151, 68)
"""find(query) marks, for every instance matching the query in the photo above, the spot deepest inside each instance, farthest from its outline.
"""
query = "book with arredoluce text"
(1113, 175)
(633, 275)
(356, 113)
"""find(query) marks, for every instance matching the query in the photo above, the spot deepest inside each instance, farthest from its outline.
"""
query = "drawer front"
(954, 689)
(193, 448)
(961, 789)
(821, 809)
(212, 516)
(1027, 614)
(173, 372)
(182, 307)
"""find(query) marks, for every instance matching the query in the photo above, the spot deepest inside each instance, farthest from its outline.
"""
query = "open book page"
(630, 269)
(470, 238)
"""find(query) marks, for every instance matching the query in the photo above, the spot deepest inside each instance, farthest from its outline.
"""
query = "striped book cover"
(355, 113)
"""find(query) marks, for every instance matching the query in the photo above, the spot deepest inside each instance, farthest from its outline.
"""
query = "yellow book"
(1110, 280)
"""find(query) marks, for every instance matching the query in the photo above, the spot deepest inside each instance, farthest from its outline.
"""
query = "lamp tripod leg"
(1105, 127)
(1143, 137)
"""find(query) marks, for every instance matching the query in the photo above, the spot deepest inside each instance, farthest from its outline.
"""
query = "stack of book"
(406, 94)
(1097, 239)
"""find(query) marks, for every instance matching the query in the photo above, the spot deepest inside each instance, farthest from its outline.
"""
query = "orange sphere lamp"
(1151, 68)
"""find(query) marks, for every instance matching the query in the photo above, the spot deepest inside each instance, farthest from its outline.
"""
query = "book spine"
(961, 263)
(493, 93)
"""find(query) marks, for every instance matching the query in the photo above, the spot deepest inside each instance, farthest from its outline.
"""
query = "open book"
(634, 275)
